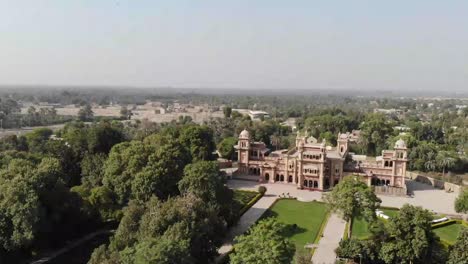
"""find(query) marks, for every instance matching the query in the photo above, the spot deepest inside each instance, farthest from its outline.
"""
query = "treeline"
(159, 183)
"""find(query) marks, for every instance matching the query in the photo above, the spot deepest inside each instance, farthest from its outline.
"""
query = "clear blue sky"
(308, 44)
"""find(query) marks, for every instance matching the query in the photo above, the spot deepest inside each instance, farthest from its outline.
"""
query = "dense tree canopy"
(263, 243)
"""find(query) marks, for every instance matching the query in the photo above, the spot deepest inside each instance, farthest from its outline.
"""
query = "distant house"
(258, 115)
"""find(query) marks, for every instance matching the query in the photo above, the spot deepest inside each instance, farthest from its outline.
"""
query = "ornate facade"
(316, 166)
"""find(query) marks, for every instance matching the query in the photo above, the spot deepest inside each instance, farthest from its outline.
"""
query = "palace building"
(315, 165)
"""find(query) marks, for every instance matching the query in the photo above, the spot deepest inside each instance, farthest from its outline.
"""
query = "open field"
(304, 219)
(152, 111)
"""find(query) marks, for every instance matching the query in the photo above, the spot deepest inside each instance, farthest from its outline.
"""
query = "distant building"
(316, 166)
(258, 115)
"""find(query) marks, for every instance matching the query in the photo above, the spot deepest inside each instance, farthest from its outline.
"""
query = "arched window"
(305, 183)
(277, 177)
(386, 163)
(311, 184)
(315, 184)
(391, 164)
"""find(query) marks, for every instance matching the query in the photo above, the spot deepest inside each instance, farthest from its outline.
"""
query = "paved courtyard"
(423, 195)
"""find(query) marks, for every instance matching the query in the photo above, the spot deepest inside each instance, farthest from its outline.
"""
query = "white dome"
(244, 134)
(400, 143)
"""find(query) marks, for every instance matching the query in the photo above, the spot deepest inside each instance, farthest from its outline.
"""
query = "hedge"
(249, 204)
(446, 223)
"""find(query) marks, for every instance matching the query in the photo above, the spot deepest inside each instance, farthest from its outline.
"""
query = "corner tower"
(243, 147)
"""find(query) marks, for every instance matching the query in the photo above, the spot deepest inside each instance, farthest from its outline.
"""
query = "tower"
(342, 144)
(243, 147)
(399, 163)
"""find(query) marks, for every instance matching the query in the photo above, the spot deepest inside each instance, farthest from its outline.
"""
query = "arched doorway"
(373, 181)
(282, 178)
(267, 177)
(277, 177)
(311, 184)
(305, 183)
(377, 182)
(290, 178)
(335, 182)
(387, 182)
(315, 184)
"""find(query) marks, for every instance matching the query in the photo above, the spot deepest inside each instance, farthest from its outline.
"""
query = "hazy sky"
(351, 44)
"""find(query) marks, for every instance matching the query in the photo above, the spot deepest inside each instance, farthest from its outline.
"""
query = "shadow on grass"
(290, 230)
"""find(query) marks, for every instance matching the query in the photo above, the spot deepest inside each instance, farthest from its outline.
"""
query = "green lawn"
(308, 217)
(360, 228)
(449, 233)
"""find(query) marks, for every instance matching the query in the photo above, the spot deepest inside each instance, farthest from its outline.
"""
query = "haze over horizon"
(354, 45)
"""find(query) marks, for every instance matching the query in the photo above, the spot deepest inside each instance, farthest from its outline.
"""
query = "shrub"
(262, 189)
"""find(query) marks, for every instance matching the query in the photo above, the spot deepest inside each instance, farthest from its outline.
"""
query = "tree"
(458, 252)
(37, 139)
(227, 111)
(203, 180)
(92, 169)
(412, 238)
(445, 161)
(125, 113)
(361, 251)
(263, 243)
(461, 203)
(85, 113)
(375, 130)
(226, 148)
(353, 198)
(102, 136)
(198, 140)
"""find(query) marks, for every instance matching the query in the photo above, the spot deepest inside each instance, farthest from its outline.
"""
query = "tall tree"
(353, 198)
(412, 237)
(263, 243)
(85, 113)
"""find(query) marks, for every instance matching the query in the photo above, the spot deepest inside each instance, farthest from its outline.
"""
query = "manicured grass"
(360, 228)
(390, 212)
(244, 197)
(307, 216)
(449, 233)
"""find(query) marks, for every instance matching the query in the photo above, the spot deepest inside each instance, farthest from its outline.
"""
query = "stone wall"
(389, 190)
(447, 186)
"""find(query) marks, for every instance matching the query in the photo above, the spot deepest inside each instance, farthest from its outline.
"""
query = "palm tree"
(430, 164)
(445, 160)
